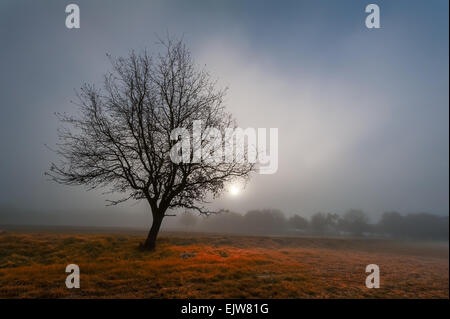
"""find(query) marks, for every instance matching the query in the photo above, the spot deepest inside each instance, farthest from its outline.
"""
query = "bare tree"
(122, 137)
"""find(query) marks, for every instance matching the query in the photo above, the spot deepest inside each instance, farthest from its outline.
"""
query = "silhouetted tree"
(265, 221)
(298, 222)
(122, 135)
(415, 226)
(354, 221)
(321, 222)
(390, 223)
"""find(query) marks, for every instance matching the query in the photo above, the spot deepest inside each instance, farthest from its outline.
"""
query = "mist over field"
(266, 222)
(362, 114)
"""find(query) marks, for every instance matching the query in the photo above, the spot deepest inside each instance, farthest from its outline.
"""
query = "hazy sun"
(234, 190)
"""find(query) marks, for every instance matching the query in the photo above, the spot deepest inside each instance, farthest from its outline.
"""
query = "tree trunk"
(150, 242)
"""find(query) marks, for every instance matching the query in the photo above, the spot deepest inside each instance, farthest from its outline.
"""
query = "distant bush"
(354, 222)
(298, 222)
(228, 222)
(416, 226)
(324, 223)
(265, 221)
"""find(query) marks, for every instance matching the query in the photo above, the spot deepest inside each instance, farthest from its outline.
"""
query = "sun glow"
(234, 189)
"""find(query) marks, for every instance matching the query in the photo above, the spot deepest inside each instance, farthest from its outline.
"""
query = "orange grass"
(32, 265)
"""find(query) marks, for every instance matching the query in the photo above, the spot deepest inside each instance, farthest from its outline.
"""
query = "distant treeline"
(352, 223)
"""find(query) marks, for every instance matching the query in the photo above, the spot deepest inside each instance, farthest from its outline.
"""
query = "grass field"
(32, 265)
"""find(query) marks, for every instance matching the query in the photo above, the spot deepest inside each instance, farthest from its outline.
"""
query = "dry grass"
(32, 265)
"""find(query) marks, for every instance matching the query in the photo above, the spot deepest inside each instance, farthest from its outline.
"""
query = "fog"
(362, 114)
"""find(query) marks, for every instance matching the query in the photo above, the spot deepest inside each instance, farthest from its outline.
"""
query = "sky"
(362, 114)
